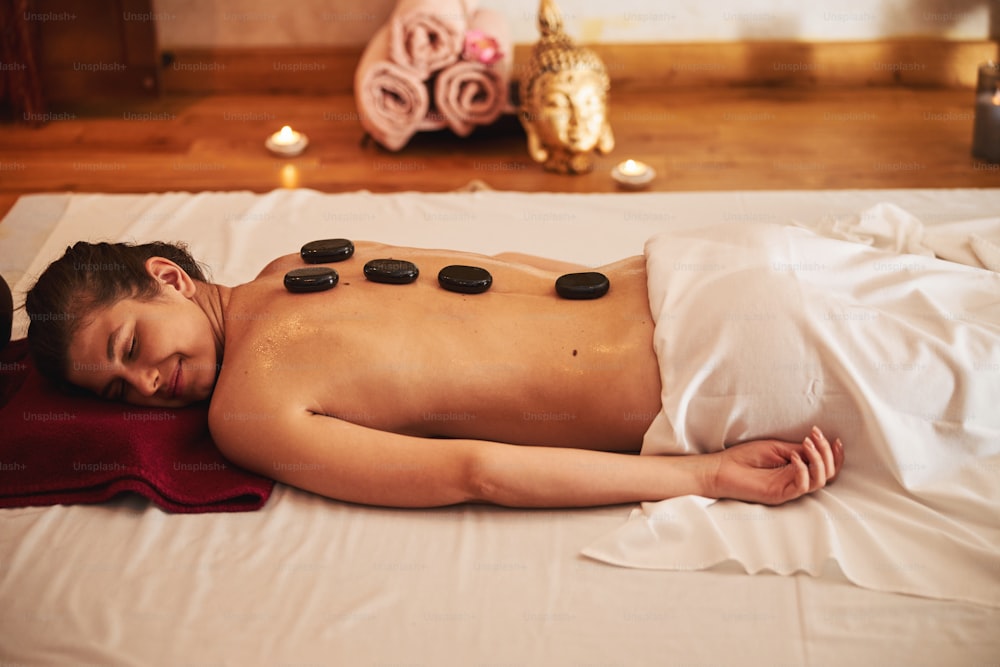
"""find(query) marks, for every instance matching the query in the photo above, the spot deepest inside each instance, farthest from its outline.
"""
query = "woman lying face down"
(400, 395)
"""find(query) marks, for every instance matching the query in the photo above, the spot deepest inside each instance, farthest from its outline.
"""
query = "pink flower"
(482, 47)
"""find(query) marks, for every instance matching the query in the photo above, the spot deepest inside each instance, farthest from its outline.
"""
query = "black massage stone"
(311, 279)
(391, 271)
(465, 279)
(326, 251)
(586, 285)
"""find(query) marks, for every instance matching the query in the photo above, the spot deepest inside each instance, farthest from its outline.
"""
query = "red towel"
(62, 449)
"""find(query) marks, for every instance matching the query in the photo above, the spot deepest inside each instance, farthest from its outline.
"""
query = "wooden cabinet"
(84, 51)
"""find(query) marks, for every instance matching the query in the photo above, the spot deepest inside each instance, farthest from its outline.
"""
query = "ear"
(169, 274)
(606, 142)
(537, 152)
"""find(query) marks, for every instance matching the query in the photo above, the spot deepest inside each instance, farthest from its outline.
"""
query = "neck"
(214, 300)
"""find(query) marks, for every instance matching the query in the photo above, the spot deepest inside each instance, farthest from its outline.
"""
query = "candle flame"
(996, 98)
(631, 168)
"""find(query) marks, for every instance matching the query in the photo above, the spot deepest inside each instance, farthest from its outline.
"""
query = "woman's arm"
(771, 472)
(354, 463)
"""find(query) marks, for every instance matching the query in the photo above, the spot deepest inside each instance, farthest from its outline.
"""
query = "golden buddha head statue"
(564, 99)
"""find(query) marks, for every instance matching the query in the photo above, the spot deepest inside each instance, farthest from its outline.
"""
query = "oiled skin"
(516, 364)
(413, 396)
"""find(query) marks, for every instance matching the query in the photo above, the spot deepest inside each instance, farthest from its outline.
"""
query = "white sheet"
(308, 581)
(763, 331)
(889, 227)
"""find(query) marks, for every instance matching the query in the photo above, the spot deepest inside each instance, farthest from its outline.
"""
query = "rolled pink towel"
(473, 91)
(392, 100)
(428, 35)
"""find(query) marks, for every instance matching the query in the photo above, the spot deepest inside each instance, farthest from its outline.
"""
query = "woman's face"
(158, 353)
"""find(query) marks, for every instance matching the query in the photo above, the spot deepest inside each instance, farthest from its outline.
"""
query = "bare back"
(516, 364)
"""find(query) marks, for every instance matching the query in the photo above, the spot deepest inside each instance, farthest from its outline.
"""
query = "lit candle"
(287, 142)
(986, 128)
(633, 174)
(286, 137)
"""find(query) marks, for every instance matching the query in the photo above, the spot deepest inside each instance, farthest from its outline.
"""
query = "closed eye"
(118, 393)
(130, 354)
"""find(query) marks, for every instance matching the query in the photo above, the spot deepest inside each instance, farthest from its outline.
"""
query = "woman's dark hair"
(90, 276)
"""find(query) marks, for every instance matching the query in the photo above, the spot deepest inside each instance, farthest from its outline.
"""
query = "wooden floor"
(719, 139)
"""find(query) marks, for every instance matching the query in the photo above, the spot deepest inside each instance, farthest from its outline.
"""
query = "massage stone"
(465, 279)
(326, 250)
(585, 285)
(311, 279)
(391, 271)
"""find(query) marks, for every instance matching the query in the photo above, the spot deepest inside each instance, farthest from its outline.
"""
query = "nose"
(144, 380)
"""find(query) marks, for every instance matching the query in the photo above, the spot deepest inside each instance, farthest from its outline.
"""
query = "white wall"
(229, 23)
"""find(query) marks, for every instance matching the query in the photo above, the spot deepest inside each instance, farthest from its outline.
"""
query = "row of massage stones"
(454, 278)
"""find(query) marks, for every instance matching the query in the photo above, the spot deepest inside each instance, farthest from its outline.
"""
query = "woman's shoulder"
(280, 265)
(286, 263)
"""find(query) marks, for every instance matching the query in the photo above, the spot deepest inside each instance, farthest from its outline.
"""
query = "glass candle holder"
(986, 128)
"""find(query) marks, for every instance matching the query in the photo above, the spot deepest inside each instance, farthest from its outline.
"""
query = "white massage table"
(311, 581)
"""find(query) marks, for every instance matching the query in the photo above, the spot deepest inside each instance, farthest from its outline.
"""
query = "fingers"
(833, 454)
(801, 475)
(838, 459)
(825, 460)
(817, 464)
(826, 450)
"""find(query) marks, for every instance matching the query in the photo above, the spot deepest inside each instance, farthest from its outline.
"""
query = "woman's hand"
(772, 472)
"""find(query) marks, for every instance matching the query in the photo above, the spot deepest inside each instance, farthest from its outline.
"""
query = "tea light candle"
(287, 142)
(633, 174)
(986, 128)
